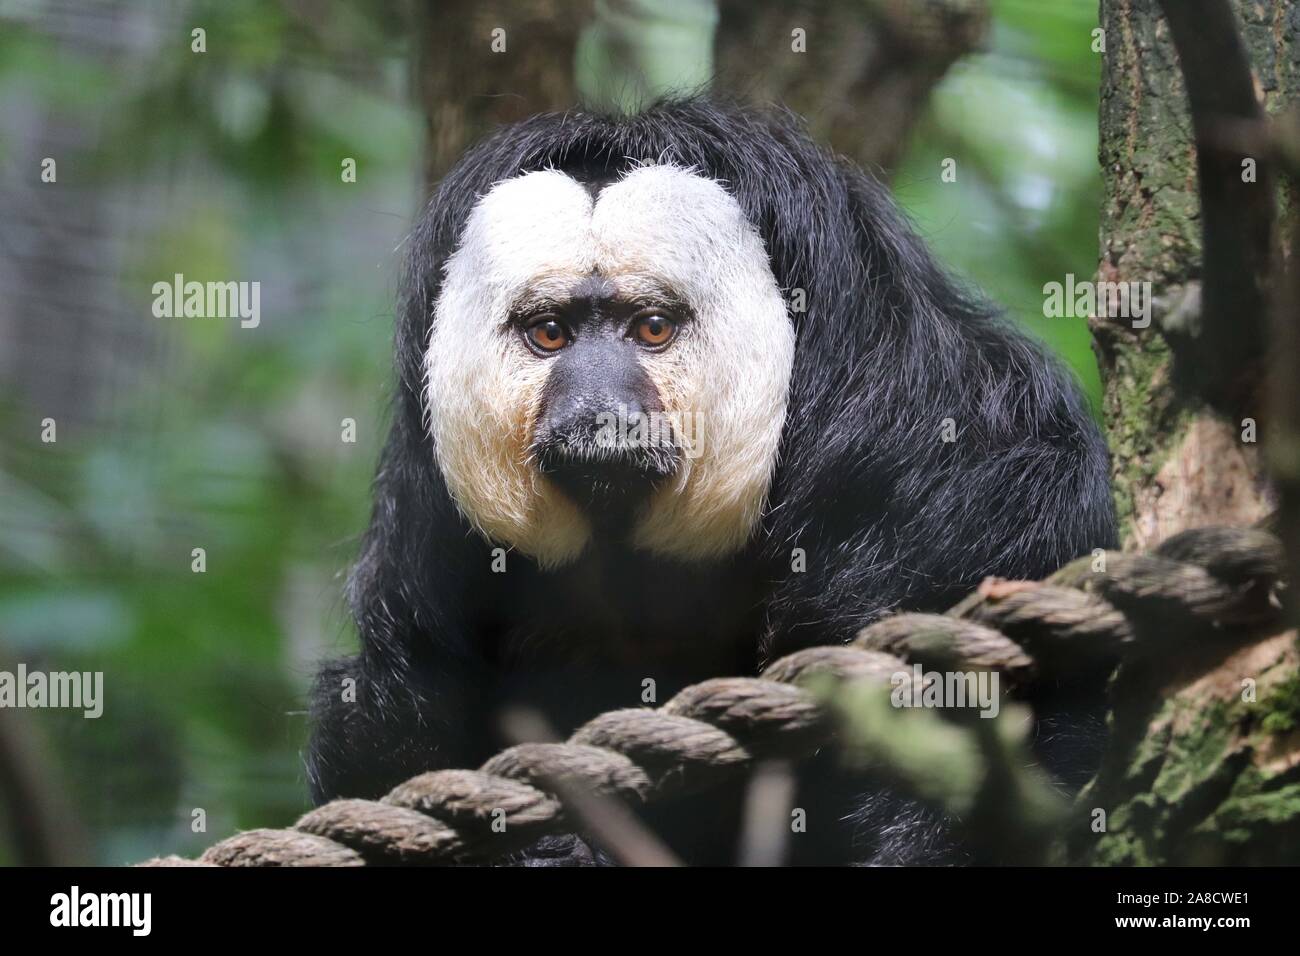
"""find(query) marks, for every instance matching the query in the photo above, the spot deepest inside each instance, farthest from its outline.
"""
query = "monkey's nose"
(606, 458)
(601, 435)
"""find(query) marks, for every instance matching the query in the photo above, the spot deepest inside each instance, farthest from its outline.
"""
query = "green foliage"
(232, 443)
(1021, 122)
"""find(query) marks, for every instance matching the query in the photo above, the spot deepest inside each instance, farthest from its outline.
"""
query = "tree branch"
(1236, 215)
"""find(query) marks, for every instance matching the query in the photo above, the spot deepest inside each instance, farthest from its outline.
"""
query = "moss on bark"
(1151, 233)
(1208, 772)
(1198, 771)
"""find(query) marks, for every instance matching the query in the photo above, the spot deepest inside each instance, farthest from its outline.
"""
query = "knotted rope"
(1209, 584)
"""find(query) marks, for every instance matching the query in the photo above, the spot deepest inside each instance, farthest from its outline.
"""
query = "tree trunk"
(485, 63)
(859, 73)
(1180, 459)
(868, 71)
(1203, 766)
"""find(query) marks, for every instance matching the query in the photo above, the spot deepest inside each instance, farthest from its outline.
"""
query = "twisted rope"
(1209, 583)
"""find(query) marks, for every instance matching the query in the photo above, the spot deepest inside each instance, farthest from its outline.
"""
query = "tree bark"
(469, 79)
(868, 71)
(1284, 447)
(1203, 766)
(1180, 396)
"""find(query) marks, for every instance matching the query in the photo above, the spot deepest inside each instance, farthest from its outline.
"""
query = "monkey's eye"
(547, 335)
(654, 330)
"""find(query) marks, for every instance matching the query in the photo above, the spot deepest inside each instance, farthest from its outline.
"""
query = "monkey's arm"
(412, 699)
(376, 724)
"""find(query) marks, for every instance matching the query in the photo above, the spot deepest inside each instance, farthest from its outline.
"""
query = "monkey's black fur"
(888, 515)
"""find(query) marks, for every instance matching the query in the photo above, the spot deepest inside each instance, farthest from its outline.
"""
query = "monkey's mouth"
(611, 480)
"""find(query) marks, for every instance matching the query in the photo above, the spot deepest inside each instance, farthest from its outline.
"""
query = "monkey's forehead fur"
(820, 316)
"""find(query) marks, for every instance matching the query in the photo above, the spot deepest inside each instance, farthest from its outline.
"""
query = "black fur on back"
(889, 516)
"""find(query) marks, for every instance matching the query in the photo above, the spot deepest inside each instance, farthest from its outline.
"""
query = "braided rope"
(1211, 583)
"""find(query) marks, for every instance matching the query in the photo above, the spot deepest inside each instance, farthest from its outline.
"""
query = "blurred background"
(226, 164)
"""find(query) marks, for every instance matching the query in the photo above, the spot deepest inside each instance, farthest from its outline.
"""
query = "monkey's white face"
(558, 306)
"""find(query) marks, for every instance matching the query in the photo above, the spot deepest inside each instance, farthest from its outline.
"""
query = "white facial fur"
(729, 367)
